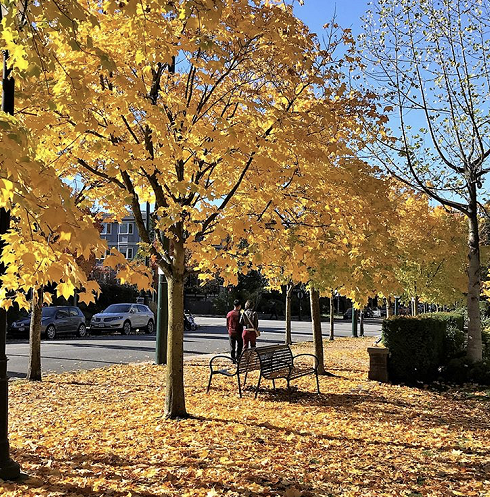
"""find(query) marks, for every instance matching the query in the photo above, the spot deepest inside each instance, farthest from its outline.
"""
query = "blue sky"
(315, 13)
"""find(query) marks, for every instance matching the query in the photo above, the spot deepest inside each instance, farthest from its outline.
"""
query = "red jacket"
(233, 323)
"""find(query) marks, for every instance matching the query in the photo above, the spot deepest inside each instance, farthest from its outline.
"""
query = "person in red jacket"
(235, 329)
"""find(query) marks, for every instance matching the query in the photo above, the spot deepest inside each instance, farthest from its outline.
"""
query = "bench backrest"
(249, 361)
(274, 358)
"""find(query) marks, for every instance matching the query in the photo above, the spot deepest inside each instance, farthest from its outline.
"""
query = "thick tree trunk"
(175, 397)
(34, 368)
(474, 351)
(289, 294)
(316, 324)
(332, 310)
(361, 324)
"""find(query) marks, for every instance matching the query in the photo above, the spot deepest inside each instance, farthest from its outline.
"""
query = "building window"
(106, 254)
(106, 228)
(126, 229)
(129, 253)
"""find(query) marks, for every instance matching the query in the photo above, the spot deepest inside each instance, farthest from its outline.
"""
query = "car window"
(74, 312)
(117, 308)
(49, 312)
(62, 313)
(142, 308)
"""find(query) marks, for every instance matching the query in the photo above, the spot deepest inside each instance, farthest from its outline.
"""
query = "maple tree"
(429, 64)
(430, 248)
(211, 115)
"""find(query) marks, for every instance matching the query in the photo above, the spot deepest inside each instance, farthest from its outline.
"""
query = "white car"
(124, 318)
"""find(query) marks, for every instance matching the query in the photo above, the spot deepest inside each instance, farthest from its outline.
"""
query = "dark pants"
(236, 343)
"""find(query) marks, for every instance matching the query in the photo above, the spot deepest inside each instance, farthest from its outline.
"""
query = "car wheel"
(150, 327)
(82, 331)
(50, 332)
(126, 329)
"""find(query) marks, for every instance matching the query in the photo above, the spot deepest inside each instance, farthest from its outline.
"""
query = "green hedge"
(454, 340)
(416, 347)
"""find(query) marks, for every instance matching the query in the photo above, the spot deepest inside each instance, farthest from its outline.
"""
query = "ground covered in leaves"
(103, 433)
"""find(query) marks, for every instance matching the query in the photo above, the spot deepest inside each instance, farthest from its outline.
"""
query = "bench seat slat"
(298, 372)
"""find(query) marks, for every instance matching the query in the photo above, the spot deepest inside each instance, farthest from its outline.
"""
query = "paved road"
(72, 353)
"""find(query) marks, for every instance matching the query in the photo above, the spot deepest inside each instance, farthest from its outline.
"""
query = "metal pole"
(9, 469)
(354, 321)
(147, 227)
(397, 303)
(162, 321)
(331, 316)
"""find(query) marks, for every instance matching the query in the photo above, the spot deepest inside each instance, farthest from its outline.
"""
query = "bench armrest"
(307, 355)
(220, 357)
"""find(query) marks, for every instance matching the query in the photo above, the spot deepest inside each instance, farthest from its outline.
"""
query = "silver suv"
(124, 318)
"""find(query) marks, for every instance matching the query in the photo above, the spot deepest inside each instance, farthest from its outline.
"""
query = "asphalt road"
(73, 353)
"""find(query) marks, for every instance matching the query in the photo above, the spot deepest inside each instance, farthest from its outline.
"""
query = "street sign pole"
(354, 321)
(162, 320)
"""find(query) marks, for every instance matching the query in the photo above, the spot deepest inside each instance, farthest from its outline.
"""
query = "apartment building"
(123, 236)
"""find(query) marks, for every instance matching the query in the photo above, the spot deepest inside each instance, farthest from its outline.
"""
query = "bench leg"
(317, 382)
(274, 384)
(239, 385)
(209, 383)
(258, 385)
(289, 390)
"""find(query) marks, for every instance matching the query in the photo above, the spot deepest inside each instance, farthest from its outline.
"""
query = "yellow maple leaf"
(65, 289)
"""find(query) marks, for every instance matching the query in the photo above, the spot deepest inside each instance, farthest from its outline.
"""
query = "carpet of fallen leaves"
(102, 433)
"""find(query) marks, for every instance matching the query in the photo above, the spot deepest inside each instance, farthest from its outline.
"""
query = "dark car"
(368, 313)
(55, 320)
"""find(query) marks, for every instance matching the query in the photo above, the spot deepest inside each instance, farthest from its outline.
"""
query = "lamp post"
(9, 469)
(397, 305)
(300, 299)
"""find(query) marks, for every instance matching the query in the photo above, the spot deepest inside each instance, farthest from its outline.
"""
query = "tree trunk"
(415, 306)
(388, 307)
(474, 351)
(361, 324)
(34, 368)
(289, 293)
(316, 325)
(332, 310)
(175, 397)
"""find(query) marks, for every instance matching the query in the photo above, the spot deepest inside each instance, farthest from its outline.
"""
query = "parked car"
(55, 320)
(124, 318)
(348, 313)
(368, 313)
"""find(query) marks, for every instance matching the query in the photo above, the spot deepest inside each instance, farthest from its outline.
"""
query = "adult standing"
(250, 322)
(235, 329)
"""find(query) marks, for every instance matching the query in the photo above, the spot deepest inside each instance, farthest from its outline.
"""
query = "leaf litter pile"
(103, 433)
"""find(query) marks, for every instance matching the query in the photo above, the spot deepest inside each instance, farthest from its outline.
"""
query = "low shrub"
(462, 370)
(485, 335)
(416, 347)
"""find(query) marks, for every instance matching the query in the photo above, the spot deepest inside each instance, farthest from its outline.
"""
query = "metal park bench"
(273, 362)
